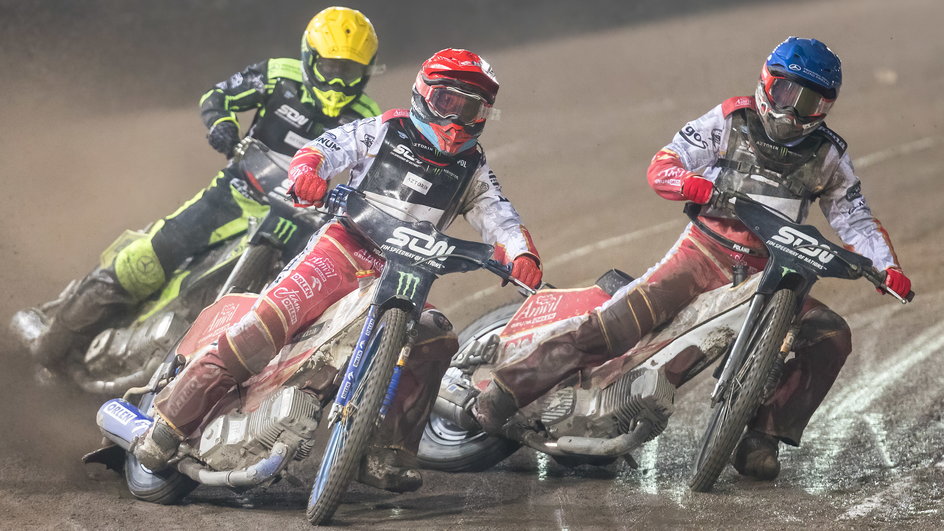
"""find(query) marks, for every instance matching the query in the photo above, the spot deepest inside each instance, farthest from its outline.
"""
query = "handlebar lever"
(504, 271)
(878, 280)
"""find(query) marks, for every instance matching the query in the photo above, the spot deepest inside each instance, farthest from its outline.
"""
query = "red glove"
(697, 189)
(897, 281)
(307, 187)
(525, 268)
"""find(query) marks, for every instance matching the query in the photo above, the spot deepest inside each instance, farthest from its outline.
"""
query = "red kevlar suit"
(727, 146)
(392, 164)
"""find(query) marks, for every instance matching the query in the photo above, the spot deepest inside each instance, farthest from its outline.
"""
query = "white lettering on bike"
(541, 305)
(418, 242)
(810, 246)
(120, 413)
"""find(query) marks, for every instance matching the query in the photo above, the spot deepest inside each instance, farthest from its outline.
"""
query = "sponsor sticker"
(415, 182)
(120, 413)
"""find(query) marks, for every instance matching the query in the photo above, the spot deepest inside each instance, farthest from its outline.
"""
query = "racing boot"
(389, 469)
(96, 302)
(756, 456)
(157, 446)
(492, 408)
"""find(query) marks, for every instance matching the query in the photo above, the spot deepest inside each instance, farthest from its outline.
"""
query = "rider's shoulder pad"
(833, 137)
(738, 102)
(393, 114)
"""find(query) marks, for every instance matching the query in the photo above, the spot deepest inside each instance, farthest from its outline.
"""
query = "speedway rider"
(296, 100)
(775, 147)
(423, 164)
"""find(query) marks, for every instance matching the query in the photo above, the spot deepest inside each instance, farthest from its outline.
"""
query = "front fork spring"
(776, 372)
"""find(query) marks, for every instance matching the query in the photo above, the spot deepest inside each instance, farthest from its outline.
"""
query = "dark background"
(107, 54)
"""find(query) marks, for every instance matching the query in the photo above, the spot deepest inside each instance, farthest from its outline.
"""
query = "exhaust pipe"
(262, 471)
(121, 422)
(614, 447)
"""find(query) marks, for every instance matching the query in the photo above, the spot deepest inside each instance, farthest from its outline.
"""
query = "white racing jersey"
(393, 166)
(719, 146)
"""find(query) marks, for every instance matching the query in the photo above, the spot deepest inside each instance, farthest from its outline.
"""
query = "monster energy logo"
(406, 284)
(284, 230)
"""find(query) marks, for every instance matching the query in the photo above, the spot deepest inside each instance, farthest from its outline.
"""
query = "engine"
(638, 394)
(240, 439)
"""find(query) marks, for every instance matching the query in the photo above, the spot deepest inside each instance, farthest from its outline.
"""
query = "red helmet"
(452, 97)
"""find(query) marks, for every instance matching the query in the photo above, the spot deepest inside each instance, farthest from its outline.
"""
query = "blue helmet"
(798, 85)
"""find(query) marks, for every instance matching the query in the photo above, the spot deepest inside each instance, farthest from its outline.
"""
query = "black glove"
(223, 137)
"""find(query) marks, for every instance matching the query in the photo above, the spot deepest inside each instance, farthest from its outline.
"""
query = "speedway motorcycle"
(359, 345)
(610, 410)
(128, 352)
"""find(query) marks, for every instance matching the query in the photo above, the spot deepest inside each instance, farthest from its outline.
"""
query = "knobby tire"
(746, 390)
(255, 271)
(350, 436)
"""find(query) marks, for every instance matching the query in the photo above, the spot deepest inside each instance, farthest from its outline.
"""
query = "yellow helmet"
(338, 48)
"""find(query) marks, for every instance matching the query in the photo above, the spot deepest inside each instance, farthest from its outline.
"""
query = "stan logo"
(407, 283)
(419, 243)
(291, 116)
(804, 244)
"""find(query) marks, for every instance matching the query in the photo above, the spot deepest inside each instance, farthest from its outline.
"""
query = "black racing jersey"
(288, 115)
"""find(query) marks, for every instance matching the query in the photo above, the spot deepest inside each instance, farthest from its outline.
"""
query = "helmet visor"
(785, 94)
(455, 104)
(339, 71)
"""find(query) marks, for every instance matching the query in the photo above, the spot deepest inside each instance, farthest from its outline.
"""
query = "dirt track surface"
(582, 115)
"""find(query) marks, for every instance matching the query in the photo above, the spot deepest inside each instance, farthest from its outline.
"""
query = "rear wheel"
(253, 271)
(166, 487)
(745, 391)
(451, 448)
(351, 434)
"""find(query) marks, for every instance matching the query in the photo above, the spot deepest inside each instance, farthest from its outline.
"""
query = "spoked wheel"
(451, 448)
(351, 434)
(745, 391)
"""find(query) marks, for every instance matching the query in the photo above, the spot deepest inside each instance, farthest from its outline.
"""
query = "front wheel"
(745, 391)
(352, 432)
